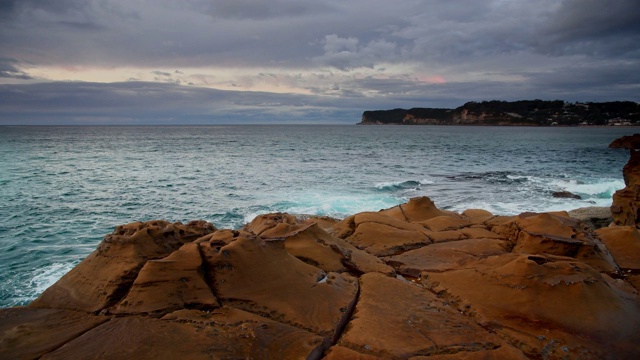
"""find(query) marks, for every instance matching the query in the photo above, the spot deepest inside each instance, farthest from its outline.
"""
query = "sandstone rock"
(171, 283)
(626, 202)
(343, 353)
(311, 244)
(383, 240)
(263, 278)
(447, 235)
(548, 306)
(595, 217)
(477, 216)
(556, 234)
(624, 244)
(478, 286)
(104, 277)
(416, 210)
(223, 334)
(29, 333)
(445, 256)
(442, 223)
(394, 319)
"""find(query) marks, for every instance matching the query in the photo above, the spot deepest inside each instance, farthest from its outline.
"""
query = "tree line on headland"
(520, 113)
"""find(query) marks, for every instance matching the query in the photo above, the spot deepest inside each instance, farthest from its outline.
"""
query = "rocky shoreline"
(409, 282)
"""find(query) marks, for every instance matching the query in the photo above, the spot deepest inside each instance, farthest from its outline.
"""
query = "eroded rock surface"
(409, 282)
(625, 208)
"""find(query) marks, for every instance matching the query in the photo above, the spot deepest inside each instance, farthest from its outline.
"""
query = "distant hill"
(512, 113)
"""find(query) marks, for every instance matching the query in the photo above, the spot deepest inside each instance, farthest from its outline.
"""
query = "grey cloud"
(9, 70)
(156, 103)
(593, 27)
(261, 10)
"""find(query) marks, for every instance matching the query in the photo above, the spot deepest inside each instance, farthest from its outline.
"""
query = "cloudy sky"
(304, 61)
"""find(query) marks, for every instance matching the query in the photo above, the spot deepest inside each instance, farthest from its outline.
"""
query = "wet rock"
(105, 276)
(565, 195)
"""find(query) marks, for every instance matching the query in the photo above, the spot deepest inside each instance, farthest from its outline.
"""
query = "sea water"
(63, 188)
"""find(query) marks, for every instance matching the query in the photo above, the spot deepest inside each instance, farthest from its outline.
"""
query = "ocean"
(63, 188)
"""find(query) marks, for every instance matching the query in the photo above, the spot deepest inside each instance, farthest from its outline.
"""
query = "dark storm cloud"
(593, 27)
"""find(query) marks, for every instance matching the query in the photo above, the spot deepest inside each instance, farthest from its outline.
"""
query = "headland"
(514, 113)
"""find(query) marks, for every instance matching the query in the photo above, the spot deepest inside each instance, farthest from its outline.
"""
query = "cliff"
(409, 282)
(516, 113)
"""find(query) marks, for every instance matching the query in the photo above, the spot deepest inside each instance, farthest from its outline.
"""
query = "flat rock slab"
(445, 256)
(28, 333)
(396, 319)
(384, 240)
(224, 334)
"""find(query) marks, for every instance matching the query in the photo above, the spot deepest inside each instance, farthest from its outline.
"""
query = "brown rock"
(223, 334)
(480, 233)
(342, 353)
(558, 234)
(263, 278)
(445, 256)
(624, 244)
(595, 217)
(29, 333)
(445, 222)
(416, 210)
(383, 240)
(395, 319)
(444, 236)
(477, 216)
(548, 306)
(266, 222)
(104, 277)
(171, 283)
(311, 244)
(626, 202)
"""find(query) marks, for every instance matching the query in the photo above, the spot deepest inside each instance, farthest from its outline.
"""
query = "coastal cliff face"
(515, 113)
(409, 282)
(625, 208)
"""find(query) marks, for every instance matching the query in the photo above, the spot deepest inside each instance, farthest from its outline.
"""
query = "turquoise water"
(63, 188)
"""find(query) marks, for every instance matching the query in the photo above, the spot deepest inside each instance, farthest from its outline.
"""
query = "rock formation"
(626, 202)
(409, 282)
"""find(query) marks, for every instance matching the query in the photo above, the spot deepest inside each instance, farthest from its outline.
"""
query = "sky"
(304, 61)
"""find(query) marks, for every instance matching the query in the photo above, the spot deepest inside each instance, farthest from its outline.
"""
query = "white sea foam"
(44, 277)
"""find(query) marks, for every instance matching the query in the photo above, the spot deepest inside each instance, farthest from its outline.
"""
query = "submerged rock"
(409, 282)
